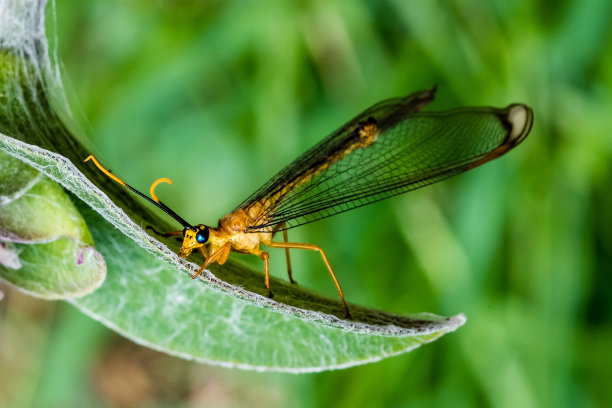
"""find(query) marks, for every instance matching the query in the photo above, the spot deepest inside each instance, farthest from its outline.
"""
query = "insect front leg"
(219, 256)
(204, 252)
(165, 235)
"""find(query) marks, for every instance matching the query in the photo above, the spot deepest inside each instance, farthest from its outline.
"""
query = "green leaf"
(147, 297)
(224, 317)
(146, 300)
(45, 247)
(33, 208)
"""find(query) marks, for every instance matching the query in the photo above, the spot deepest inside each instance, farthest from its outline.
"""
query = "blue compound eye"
(202, 236)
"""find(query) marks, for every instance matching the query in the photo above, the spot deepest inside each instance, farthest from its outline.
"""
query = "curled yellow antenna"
(155, 183)
(153, 200)
(103, 170)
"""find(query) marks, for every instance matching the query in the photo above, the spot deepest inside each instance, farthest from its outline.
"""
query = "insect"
(388, 149)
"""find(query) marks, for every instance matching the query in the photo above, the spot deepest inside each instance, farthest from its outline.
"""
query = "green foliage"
(46, 246)
(219, 95)
(146, 295)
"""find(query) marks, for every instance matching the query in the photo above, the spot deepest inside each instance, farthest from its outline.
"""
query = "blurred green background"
(219, 95)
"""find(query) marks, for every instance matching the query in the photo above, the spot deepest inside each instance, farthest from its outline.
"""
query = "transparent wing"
(412, 149)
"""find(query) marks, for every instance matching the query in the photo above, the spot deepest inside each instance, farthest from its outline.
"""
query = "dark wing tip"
(424, 98)
(518, 119)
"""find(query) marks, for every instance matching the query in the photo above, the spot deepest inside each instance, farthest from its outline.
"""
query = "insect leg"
(265, 257)
(165, 235)
(329, 268)
(220, 253)
(204, 252)
(286, 238)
